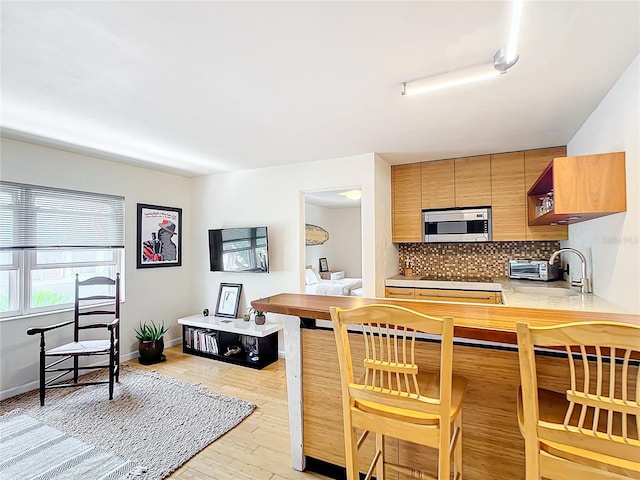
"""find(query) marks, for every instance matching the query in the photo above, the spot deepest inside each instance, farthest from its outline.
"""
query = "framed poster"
(228, 300)
(159, 236)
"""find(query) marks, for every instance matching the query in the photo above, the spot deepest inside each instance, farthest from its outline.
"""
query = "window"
(49, 235)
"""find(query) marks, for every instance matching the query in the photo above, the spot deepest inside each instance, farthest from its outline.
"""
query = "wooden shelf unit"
(584, 187)
(229, 332)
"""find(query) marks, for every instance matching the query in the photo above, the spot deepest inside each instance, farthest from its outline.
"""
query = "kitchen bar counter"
(494, 323)
(493, 448)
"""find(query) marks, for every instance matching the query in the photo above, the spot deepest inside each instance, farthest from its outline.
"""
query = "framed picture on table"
(324, 265)
(228, 300)
(159, 236)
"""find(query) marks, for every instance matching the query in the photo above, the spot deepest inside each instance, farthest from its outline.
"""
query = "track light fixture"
(503, 60)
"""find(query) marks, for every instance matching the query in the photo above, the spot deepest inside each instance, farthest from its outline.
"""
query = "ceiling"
(197, 88)
(332, 198)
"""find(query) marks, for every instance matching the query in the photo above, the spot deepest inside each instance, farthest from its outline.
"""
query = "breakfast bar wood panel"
(493, 448)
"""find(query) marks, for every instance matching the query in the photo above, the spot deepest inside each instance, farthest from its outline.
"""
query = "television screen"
(239, 250)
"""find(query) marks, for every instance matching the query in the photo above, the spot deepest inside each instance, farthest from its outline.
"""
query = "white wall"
(159, 294)
(612, 243)
(343, 250)
(274, 197)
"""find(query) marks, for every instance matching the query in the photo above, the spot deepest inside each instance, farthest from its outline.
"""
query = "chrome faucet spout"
(584, 283)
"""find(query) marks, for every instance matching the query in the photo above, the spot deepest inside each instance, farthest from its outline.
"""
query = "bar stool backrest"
(598, 416)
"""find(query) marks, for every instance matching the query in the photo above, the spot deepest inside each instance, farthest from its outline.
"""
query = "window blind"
(34, 216)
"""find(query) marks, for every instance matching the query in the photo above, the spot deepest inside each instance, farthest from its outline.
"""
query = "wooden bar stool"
(590, 431)
(395, 397)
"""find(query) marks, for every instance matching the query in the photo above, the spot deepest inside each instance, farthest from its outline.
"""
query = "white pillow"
(310, 277)
(317, 275)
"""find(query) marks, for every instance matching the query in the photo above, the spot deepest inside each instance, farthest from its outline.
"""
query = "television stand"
(231, 340)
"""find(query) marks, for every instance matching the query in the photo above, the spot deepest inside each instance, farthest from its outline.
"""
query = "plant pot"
(151, 351)
(260, 319)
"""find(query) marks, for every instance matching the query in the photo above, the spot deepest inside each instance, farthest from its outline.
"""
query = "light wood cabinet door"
(508, 197)
(594, 184)
(406, 199)
(438, 188)
(535, 161)
(399, 292)
(464, 296)
(473, 181)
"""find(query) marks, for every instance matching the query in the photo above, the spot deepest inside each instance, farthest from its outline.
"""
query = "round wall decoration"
(315, 235)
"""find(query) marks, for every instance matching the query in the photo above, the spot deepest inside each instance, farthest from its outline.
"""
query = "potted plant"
(150, 342)
(259, 316)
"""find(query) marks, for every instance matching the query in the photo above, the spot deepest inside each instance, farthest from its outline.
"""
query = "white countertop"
(581, 302)
(232, 325)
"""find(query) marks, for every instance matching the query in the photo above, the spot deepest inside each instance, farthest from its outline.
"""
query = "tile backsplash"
(470, 259)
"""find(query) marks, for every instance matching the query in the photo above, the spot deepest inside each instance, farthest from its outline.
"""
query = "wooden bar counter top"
(485, 353)
(496, 323)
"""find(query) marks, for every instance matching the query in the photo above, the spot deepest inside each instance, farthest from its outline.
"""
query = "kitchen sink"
(548, 291)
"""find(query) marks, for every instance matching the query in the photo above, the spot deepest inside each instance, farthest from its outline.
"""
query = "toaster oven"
(534, 270)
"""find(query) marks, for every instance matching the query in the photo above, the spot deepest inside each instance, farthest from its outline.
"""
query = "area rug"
(33, 450)
(153, 421)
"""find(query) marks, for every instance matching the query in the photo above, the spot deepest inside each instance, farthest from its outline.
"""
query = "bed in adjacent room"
(314, 285)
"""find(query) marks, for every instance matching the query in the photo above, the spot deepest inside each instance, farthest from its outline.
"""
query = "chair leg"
(117, 367)
(111, 372)
(351, 454)
(457, 451)
(380, 465)
(531, 460)
(75, 369)
(444, 455)
(42, 371)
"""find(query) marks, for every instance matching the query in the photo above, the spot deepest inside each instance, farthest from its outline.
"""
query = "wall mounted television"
(242, 249)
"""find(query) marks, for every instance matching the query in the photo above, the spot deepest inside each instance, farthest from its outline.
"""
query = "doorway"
(333, 221)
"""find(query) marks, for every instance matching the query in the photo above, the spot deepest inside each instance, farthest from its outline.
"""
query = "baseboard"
(12, 392)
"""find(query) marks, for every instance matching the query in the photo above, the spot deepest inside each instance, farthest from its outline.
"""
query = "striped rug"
(30, 450)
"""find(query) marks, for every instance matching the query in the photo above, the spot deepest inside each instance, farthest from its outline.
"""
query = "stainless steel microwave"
(457, 225)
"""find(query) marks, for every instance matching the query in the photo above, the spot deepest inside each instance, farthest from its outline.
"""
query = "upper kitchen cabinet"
(508, 199)
(460, 182)
(535, 161)
(473, 181)
(406, 197)
(511, 176)
(438, 189)
(584, 187)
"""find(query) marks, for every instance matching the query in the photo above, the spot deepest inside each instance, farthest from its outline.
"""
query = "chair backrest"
(390, 369)
(602, 412)
(88, 292)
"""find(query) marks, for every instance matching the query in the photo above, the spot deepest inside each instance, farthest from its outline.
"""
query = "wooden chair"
(83, 348)
(395, 397)
(589, 431)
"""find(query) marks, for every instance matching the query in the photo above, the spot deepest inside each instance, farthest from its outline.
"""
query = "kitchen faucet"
(584, 283)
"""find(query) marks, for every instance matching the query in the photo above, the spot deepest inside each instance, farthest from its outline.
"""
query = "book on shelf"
(201, 339)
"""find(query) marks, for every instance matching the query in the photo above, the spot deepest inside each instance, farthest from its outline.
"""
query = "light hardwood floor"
(258, 448)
